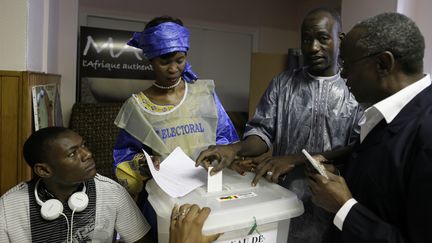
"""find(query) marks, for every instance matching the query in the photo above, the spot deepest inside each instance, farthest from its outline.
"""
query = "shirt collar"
(390, 107)
(323, 77)
(45, 194)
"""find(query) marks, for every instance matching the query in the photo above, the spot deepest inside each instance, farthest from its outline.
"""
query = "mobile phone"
(318, 166)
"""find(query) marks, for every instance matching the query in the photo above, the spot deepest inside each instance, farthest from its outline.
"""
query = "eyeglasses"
(345, 65)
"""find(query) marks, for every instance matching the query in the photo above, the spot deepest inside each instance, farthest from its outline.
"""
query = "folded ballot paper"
(177, 175)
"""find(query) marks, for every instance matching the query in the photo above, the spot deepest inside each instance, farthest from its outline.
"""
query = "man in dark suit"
(383, 195)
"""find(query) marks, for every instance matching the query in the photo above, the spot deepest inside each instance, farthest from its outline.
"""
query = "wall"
(41, 36)
(354, 10)
(280, 14)
(67, 54)
(51, 44)
(275, 23)
(224, 57)
(36, 30)
(13, 24)
(268, 43)
(51, 36)
(419, 11)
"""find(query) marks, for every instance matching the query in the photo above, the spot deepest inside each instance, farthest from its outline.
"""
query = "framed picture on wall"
(46, 106)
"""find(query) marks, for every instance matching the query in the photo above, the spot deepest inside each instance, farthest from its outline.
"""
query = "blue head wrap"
(162, 39)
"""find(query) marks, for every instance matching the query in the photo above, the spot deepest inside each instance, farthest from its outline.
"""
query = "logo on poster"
(111, 45)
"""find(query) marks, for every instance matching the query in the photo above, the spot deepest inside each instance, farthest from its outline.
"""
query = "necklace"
(168, 87)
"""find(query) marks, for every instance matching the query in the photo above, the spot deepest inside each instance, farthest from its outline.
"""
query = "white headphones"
(53, 208)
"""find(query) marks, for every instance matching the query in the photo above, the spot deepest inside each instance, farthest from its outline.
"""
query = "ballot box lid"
(237, 206)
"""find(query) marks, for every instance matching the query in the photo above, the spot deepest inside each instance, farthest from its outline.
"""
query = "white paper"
(214, 182)
(177, 175)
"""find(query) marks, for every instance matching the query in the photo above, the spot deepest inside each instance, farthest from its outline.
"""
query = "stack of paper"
(177, 174)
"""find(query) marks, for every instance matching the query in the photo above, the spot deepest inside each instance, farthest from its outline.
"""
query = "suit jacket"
(390, 175)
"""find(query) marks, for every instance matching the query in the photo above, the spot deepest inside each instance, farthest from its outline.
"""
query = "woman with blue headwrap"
(178, 110)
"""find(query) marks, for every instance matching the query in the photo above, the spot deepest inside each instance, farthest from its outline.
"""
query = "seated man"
(68, 201)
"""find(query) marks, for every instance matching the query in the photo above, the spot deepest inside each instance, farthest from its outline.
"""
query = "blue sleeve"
(225, 131)
(126, 147)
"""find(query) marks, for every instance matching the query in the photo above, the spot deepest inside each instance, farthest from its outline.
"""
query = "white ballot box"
(245, 214)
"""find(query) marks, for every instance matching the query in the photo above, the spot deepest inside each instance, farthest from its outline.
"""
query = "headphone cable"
(67, 222)
(71, 228)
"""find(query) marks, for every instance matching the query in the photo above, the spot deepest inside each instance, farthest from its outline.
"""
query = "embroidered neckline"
(149, 105)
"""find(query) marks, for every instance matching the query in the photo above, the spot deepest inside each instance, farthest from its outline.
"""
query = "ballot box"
(245, 214)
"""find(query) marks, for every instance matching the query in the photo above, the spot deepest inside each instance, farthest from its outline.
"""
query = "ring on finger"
(184, 212)
(176, 216)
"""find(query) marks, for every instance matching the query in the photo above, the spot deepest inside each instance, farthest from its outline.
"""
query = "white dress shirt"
(388, 109)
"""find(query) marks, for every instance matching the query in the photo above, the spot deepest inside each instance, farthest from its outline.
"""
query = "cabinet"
(16, 123)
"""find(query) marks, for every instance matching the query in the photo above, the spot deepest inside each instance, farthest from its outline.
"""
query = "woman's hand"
(224, 154)
(143, 166)
(186, 225)
(243, 164)
(156, 161)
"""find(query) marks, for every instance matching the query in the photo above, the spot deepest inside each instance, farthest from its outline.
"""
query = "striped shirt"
(56, 230)
(115, 210)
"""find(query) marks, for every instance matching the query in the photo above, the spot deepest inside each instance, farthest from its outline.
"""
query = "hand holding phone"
(318, 166)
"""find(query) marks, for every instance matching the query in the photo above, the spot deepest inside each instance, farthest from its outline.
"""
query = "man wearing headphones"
(68, 202)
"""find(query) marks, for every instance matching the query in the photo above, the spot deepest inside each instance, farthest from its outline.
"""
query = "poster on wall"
(46, 106)
(108, 69)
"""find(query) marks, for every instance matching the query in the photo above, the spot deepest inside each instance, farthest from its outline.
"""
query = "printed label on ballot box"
(268, 236)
